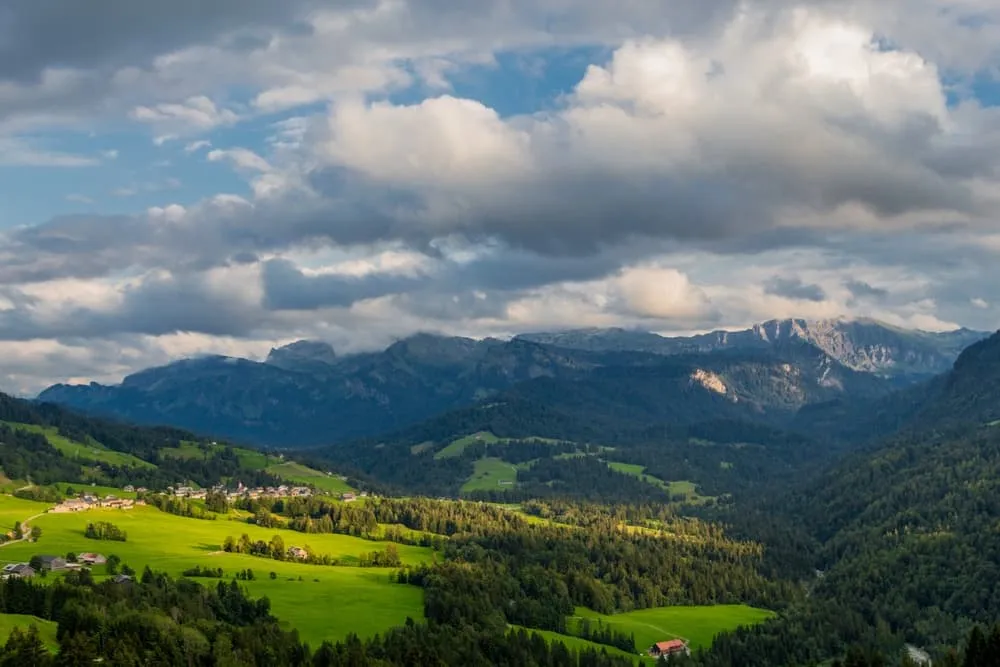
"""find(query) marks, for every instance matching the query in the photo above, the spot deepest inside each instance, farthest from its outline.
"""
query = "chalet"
(21, 570)
(52, 563)
(128, 488)
(667, 648)
(348, 497)
(298, 552)
(121, 579)
(92, 559)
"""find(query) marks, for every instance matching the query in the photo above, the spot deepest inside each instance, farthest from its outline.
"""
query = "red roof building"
(670, 647)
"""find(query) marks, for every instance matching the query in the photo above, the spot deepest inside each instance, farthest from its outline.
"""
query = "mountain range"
(860, 344)
(305, 394)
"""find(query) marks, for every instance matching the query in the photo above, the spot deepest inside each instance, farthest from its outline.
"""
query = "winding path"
(25, 530)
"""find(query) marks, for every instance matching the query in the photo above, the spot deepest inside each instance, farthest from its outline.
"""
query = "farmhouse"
(670, 647)
(21, 570)
(348, 497)
(52, 563)
(92, 559)
(298, 552)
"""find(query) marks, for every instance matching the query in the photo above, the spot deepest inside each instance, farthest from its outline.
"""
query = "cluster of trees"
(176, 505)
(275, 548)
(388, 557)
(155, 620)
(105, 530)
(199, 571)
(601, 633)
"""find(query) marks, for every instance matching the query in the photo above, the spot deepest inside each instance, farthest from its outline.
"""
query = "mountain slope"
(863, 344)
(45, 443)
(295, 399)
(910, 523)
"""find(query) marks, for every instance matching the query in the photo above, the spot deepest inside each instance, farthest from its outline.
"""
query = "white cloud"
(241, 158)
(195, 146)
(195, 114)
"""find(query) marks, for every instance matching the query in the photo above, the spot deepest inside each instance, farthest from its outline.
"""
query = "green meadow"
(13, 510)
(575, 643)
(321, 602)
(456, 447)
(249, 458)
(46, 629)
(674, 488)
(697, 625)
(300, 474)
(487, 475)
(80, 451)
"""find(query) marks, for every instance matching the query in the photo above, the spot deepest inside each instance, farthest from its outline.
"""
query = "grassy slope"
(14, 510)
(487, 474)
(296, 472)
(249, 458)
(91, 451)
(674, 487)
(577, 644)
(456, 447)
(343, 600)
(290, 471)
(46, 629)
(698, 625)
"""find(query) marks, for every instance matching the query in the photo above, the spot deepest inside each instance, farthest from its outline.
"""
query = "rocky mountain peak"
(302, 353)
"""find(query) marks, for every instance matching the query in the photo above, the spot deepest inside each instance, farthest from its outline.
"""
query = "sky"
(186, 178)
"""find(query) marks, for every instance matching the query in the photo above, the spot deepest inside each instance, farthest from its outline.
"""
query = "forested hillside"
(43, 443)
(906, 533)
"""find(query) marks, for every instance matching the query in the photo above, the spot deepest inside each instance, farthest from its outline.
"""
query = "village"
(47, 563)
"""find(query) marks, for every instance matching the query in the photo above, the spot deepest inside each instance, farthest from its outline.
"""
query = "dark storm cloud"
(155, 306)
(94, 34)
(862, 290)
(794, 288)
(286, 287)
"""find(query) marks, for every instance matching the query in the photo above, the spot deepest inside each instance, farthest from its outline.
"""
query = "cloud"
(862, 290)
(195, 114)
(241, 158)
(195, 146)
(716, 164)
(794, 288)
(22, 153)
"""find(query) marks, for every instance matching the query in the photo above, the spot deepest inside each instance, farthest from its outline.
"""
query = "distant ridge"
(863, 344)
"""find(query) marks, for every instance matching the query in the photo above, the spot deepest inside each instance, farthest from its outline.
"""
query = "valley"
(623, 501)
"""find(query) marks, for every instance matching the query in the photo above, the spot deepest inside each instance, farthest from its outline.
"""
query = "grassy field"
(46, 629)
(95, 489)
(488, 474)
(351, 599)
(674, 488)
(289, 471)
(14, 510)
(90, 451)
(296, 472)
(249, 458)
(697, 625)
(456, 447)
(575, 643)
